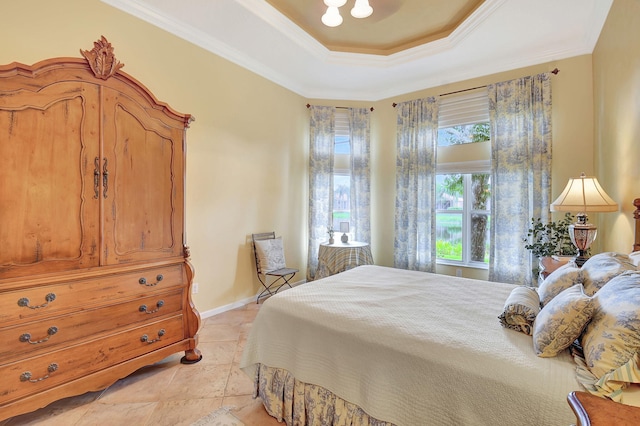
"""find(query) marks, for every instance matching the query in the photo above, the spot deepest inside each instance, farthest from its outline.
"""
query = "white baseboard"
(237, 304)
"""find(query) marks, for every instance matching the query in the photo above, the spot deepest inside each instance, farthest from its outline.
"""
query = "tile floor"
(169, 393)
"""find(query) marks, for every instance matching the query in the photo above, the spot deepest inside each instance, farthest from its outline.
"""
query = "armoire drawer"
(32, 375)
(34, 338)
(47, 300)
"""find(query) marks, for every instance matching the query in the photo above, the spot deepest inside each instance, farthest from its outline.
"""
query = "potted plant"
(330, 231)
(549, 240)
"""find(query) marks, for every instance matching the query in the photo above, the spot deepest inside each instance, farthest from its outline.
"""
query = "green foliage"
(452, 185)
(462, 134)
(552, 238)
(446, 250)
(481, 132)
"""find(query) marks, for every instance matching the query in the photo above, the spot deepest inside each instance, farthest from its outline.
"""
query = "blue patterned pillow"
(561, 279)
(561, 321)
(613, 335)
(520, 310)
(599, 269)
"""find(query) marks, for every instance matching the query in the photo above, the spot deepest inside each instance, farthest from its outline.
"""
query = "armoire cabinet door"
(143, 195)
(49, 210)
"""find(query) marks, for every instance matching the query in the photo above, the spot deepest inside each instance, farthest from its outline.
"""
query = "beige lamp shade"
(584, 194)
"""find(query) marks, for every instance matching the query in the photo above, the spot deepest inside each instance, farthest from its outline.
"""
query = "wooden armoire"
(95, 276)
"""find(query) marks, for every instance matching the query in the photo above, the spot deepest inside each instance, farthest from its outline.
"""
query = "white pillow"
(270, 255)
(635, 258)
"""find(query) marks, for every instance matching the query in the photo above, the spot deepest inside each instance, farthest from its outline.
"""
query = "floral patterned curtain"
(321, 148)
(520, 113)
(417, 129)
(360, 175)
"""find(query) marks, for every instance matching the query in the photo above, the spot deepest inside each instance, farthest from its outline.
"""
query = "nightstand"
(591, 410)
(550, 264)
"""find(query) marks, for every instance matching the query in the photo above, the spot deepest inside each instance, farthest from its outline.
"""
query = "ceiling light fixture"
(332, 18)
(361, 9)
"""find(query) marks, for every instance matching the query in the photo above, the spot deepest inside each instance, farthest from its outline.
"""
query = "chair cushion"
(270, 254)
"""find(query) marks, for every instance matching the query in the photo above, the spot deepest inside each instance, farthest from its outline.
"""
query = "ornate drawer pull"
(24, 302)
(143, 281)
(143, 308)
(26, 337)
(145, 338)
(26, 376)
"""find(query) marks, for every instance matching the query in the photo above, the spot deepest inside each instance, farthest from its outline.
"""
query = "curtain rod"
(555, 72)
(341, 107)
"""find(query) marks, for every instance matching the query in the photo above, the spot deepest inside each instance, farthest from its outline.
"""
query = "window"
(464, 118)
(341, 170)
(463, 217)
(463, 180)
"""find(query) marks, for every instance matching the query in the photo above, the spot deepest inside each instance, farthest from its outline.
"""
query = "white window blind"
(459, 109)
(342, 122)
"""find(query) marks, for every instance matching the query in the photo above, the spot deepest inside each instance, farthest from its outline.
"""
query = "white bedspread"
(412, 348)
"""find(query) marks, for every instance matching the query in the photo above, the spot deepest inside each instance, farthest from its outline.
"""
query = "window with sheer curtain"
(516, 189)
(339, 181)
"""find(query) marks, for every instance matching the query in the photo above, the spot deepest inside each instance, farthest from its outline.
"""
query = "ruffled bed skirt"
(300, 404)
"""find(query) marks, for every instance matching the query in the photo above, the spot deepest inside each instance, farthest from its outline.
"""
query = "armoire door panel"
(143, 205)
(48, 215)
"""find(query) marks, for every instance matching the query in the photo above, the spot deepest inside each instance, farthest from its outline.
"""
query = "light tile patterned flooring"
(169, 393)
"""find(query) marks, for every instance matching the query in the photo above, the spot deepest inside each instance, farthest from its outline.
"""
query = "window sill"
(474, 265)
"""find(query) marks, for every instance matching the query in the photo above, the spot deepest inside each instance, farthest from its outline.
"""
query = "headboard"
(636, 216)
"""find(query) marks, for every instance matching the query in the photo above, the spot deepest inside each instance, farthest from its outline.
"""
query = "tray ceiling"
(404, 46)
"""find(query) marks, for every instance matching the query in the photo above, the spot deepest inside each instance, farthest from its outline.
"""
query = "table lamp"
(344, 228)
(583, 194)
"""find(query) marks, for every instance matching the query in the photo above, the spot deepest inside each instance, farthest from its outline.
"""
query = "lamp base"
(580, 259)
(582, 234)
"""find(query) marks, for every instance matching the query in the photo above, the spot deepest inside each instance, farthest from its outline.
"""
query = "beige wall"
(616, 75)
(572, 142)
(246, 165)
(248, 148)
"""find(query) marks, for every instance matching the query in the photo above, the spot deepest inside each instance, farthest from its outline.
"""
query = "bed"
(383, 346)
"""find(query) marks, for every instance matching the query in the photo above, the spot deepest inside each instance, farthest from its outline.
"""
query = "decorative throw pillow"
(613, 335)
(270, 254)
(602, 267)
(561, 321)
(561, 279)
(520, 310)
